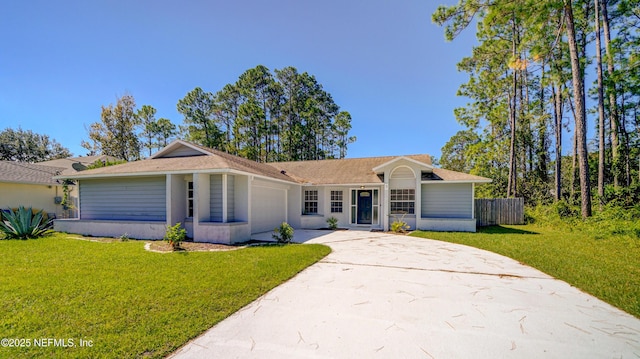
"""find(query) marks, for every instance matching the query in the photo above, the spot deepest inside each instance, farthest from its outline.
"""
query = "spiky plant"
(23, 223)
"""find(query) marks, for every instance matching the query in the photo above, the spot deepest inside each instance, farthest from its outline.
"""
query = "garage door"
(268, 208)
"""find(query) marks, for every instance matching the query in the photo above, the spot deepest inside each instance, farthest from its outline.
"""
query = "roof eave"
(164, 173)
(457, 181)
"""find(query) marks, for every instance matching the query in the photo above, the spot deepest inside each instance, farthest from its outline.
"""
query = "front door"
(364, 206)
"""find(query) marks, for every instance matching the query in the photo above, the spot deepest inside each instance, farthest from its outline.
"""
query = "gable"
(179, 148)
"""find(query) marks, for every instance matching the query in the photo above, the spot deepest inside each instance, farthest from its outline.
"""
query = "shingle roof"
(214, 160)
(21, 172)
(341, 171)
(336, 171)
(448, 175)
(68, 163)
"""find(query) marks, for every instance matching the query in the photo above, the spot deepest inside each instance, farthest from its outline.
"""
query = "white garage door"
(268, 208)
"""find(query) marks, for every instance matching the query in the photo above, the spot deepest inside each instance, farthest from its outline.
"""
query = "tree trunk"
(601, 128)
(511, 185)
(613, 106)
(580, 118)
(557, 111)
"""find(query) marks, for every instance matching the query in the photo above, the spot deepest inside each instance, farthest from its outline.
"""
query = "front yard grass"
(127, 301)
(604, 263)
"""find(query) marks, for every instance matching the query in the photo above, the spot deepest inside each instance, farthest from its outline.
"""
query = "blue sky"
(383, 61)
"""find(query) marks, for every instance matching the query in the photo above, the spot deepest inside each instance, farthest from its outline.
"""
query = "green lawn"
(602, 261)
(128, 302)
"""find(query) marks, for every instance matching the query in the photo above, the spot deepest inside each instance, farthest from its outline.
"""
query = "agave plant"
(23, 223)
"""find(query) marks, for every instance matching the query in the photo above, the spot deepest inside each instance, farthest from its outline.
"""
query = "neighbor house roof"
(76, 164)
(22, 172)
(197, 158)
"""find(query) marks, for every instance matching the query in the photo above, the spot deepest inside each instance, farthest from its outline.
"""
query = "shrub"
(175, 235)
(283, 234)
(332, 222)
(23, 223)
(399, 225)
(564, 209)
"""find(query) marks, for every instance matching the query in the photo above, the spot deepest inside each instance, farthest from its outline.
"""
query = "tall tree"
(28, 146)
(265, 116)
(577, 73)
(163, 129)
(146, 118)
(600, 89)
(342, 127)
(115, 135)
(198, 109)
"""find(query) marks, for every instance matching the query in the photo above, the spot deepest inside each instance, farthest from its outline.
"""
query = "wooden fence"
(495, 211)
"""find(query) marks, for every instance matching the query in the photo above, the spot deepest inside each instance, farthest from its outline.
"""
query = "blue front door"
(364, 206)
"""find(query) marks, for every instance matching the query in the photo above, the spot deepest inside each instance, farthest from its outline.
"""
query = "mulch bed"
(162, 246)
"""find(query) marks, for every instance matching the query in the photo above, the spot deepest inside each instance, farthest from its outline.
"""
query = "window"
(403, 201)
(190, 199)
(310, 201)
(336, 201)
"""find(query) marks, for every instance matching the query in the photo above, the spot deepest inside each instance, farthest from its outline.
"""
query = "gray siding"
(183, 151)
(447, 200)
(142, 199)
(215, 201)
(231, 208)
(216, 198)
(402, 177)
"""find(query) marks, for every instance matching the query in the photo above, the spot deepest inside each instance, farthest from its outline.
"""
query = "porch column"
(201, 198)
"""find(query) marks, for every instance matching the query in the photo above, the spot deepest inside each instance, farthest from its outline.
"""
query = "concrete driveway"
(388, 296)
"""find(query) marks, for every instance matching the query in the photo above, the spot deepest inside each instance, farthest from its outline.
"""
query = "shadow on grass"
(503, 230)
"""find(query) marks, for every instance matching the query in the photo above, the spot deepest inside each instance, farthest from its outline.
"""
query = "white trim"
(473, 200)
(454, 181)
(189, 172)
(351, 205)
(380, 167)
(369, 184)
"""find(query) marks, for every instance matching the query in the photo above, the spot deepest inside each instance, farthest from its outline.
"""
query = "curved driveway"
(388, 296)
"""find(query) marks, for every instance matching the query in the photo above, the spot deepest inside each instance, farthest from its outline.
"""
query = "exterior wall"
(403, 176)
(447, 224)
(102, 228)
(268, 205)
(447, 200)
(133, 198)
(224, 233)
(242, 189)
(314, 220)
(216, 198)
(294, 206)
(319, 220)
(176, 199)
(14, 195)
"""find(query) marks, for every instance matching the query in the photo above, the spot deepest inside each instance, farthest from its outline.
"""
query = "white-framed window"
(336, 201)
(311, 201)
(402, 201)
(189, 199)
